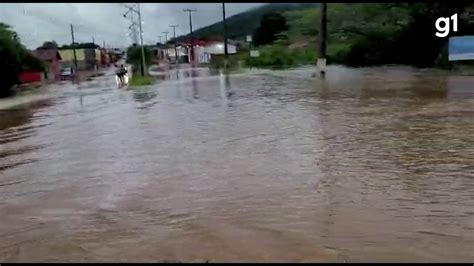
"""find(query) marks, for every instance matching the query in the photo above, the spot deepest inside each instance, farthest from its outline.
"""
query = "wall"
(97, 55)
(54, 70)
(201, 56)
(81, 65)
(86, 58)
(68, 55)
(91, 58)
(181, 52)
(218, 48)
(29, 76)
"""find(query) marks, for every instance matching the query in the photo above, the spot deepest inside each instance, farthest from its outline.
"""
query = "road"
(370, 164)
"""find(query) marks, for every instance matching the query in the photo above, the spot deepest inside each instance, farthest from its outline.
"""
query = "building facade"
(51, 58)
(87, 58)
(203, 50)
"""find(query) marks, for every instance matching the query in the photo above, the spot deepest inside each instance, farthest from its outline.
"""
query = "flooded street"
(371, 164)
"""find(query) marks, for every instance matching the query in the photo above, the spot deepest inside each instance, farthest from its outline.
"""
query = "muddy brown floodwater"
(371, 164)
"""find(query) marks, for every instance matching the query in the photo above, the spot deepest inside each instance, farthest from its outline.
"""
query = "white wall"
(181, 52)
(201, 56)
(218, 48)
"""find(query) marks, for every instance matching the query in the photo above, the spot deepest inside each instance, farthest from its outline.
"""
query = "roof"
(206, 42)
(47, 54)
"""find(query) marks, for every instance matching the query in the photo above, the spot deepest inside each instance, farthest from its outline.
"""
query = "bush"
(278, 56)
(217, 61)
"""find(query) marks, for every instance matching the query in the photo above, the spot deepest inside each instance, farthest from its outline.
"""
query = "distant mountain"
(242, 24)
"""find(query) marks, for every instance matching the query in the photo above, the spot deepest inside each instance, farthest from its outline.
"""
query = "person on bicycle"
(121, 72)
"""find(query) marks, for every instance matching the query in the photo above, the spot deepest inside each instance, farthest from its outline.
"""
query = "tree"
(270, 26)
(14, 58)
(134, 56)
(389, 33)
(31, 63)
(10, 65)
(86, 45)
(49, 45)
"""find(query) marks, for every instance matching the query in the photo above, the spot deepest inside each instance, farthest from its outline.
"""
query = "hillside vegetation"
(238, 26)
(359, 34)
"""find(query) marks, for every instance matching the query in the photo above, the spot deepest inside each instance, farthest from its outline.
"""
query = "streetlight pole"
(226, 52)
(174, 40)
(191, 32)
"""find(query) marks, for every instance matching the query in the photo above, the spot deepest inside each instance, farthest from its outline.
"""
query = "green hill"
(238, 26)
(361, 34)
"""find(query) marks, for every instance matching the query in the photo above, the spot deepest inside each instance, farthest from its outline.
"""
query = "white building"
(203, 51)
(218, 48)
(170, 52)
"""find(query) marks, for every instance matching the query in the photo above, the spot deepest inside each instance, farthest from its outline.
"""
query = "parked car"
(66, 73)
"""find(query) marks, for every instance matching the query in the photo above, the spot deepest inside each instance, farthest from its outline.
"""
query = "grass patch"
(138, 80)
(279, 56)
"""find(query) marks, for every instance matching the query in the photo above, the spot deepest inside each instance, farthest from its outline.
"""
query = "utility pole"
(174, 40)
(226, 52)
(143, 67)
(93, 41)
(166, 45)
(161, 45)
(190, 11)
(321, 63)
(74, 54)
(132, 9)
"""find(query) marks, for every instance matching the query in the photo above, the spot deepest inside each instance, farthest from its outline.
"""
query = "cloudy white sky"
(39, 22)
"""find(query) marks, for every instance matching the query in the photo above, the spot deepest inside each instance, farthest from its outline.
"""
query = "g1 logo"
(443, 31)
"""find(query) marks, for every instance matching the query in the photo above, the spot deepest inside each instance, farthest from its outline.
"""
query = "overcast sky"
(39, 22)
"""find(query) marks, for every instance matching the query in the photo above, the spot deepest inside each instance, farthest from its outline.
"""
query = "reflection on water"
(15, 117)
(193, 73)
(182, 72)
(369, 164)
(225, 89)
(144, 95)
